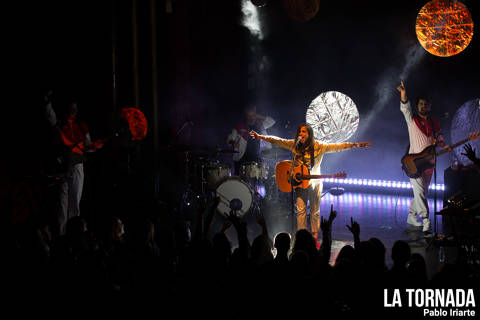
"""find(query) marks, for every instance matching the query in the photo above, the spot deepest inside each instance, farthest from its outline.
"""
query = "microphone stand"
(291, 184)
(432, 241)
(434, 180)
(292, 191)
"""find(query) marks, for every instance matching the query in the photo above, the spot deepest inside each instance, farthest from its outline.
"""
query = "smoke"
(414, 54)
(250, 19)
(388, 82)
(388, 148)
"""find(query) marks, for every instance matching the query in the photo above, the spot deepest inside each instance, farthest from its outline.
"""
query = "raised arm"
(403, 92)
(354, 228)
(326, 227)
(404, 103)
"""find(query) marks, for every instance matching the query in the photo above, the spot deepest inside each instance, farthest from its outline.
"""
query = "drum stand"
(190, 195)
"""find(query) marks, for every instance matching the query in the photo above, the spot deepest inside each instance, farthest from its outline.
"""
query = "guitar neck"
(317, 176)
(452, 146)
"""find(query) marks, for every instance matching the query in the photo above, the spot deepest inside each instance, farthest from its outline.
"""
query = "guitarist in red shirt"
(423, 131)
(75, 138)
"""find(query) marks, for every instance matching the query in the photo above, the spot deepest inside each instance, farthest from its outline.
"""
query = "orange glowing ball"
(301, 10)
(444, 27)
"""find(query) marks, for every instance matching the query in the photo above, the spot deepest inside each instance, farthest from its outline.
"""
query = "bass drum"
(235, 194)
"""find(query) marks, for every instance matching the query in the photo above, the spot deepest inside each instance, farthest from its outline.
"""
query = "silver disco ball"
(333, 117)
(465, 121)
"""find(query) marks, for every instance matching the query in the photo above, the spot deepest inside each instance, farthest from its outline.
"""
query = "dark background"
(205, 62)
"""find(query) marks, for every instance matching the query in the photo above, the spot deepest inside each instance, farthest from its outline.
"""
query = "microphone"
(298, 140)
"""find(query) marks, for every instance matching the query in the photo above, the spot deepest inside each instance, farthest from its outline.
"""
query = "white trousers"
(312, 195)
(70, 195)
(419, 204)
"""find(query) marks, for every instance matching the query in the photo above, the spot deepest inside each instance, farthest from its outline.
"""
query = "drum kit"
(207, 177)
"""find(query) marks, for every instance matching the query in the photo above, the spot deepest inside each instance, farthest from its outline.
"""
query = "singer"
(308, 152)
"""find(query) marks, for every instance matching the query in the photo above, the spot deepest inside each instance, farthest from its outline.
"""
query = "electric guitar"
(300, 177)
(415, 163)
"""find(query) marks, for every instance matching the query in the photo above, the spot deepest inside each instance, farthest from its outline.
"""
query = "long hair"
(309, 143)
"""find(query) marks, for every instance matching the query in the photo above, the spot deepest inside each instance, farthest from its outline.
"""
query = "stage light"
(444, 27)
(261, 191)
(379, 183)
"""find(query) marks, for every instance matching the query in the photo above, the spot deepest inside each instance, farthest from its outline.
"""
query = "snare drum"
(234, 194)
(216, 172)
(254, 170)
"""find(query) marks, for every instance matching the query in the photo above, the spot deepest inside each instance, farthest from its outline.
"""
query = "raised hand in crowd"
(326, 225)
(470, 154)
(354, 228)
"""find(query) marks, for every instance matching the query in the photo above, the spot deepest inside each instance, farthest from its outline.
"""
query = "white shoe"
(426, 225)
(412, 220)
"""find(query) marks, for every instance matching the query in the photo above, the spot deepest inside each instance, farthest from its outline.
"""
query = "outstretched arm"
(288, 144)
(336, 147)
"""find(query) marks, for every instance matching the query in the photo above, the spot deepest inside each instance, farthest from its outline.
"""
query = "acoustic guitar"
(414, 164)
(300, 177)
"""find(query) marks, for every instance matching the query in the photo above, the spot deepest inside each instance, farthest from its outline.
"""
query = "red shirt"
(425, 125)
(74, 134)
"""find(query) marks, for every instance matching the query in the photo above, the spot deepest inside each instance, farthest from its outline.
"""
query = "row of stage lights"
(380, 183)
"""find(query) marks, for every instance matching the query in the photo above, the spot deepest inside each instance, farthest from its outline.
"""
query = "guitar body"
(282, 175)
(414, 164)
(300, 178)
